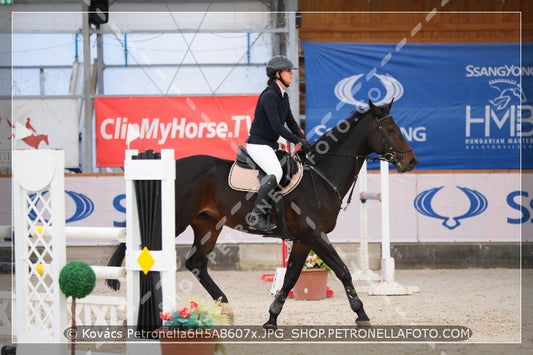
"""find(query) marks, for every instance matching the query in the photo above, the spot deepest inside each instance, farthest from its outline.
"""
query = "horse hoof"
(269, 326)
(363, 324)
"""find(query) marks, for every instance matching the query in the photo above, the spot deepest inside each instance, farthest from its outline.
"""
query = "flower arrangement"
(314, 262)
(197, 316)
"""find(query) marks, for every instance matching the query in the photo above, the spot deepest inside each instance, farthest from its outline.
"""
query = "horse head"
(35, 140)
(388, 141)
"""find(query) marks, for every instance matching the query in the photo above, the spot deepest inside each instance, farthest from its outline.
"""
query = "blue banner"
(460, 106)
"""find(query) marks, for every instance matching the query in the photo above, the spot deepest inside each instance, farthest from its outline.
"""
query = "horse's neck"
(345, 160)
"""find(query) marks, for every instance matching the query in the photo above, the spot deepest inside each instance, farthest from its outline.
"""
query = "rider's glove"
(306, 146)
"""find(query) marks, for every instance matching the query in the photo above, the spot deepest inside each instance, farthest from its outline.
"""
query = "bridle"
(388, 156)
(390, 148)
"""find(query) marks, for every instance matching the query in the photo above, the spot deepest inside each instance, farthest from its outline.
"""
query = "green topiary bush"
(77, 279)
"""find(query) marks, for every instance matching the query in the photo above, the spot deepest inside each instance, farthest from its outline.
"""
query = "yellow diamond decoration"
(145, 260)
(38, 231)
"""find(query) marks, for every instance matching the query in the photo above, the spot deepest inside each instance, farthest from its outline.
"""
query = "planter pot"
(187, 342)
(311, 284)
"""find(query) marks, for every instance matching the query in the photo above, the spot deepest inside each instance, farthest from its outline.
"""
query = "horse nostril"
(413, 162)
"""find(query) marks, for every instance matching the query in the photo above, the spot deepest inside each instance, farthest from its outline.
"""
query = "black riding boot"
(258, 218)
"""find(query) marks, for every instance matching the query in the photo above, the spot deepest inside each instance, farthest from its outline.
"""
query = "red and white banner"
(213, 125)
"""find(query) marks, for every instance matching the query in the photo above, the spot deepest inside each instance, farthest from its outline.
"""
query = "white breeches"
(265, 157)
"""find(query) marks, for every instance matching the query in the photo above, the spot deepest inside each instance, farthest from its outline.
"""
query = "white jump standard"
(40, 244)
(388, 286)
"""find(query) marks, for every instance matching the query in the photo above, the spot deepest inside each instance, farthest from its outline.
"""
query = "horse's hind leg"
(295, 263)
(325, 251)
(205, 238)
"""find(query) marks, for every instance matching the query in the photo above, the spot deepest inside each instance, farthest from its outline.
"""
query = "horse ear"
(390, 104)
(374, 108)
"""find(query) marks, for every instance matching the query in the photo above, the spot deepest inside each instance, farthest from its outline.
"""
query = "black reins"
(389, 156)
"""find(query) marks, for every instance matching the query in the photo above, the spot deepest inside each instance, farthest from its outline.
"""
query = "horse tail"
(116, 260)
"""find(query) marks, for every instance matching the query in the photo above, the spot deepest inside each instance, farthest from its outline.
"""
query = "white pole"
(291, 7)
(388, 286)
(133, 242)
(363, 249)
(85, 233)
(385, 212)
(168, 228)
(363, 272)
(87, 166)
(387, 263)
(101, 272)
(109, 272)
(58, 243)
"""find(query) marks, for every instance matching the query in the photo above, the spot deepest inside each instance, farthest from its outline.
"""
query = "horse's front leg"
(295, 263)
(325, 251)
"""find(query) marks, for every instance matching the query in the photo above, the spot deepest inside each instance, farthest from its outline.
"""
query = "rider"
(271, 114)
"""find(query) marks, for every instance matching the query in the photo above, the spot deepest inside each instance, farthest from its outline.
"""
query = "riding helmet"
(278, 63)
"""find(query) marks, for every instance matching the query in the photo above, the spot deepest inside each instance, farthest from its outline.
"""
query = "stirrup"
(268, 228)
(263, 224)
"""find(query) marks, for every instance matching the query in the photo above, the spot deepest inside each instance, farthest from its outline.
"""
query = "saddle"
(245, 175)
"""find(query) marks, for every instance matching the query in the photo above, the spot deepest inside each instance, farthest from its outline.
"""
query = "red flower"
(194, 306)
(184, 312)
(165, 316)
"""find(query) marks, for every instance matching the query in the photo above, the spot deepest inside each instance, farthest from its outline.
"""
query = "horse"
(206, 202)
(35, 140)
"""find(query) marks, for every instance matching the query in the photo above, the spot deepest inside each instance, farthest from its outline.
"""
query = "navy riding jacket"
(271, 114)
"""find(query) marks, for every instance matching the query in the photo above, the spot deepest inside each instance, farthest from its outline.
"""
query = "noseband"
(389, 155)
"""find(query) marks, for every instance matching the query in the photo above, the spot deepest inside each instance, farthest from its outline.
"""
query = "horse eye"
(390, 130)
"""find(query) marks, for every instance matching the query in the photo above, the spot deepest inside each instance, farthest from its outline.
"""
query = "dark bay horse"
(206, 202)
